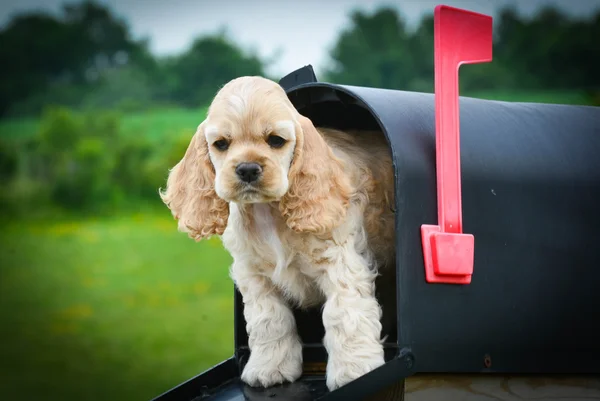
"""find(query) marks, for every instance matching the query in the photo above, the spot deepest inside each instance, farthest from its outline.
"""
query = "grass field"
(113, 309)
(155, 124)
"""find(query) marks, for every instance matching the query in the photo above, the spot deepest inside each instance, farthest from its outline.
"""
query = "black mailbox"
(530, 197)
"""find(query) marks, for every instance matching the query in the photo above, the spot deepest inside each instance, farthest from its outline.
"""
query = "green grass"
(18, 128)
(159, 123)
(153, 124)
(109, 309)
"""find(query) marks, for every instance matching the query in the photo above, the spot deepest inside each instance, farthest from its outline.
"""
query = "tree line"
(81, 73)
(85, 57)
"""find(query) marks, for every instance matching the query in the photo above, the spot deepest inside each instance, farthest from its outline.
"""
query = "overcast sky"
(304, 30)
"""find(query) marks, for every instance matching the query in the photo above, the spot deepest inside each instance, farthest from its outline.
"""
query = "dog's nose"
(248, 172)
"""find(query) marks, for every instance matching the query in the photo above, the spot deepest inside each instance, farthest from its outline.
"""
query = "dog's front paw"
(342, 369)
(274, 364)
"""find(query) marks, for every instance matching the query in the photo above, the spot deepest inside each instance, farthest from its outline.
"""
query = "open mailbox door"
(525, 298)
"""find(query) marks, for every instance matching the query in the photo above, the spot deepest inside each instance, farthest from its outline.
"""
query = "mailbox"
(528, 185)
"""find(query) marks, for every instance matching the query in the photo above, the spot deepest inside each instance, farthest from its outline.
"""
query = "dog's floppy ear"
(190, 192)
(319, 191)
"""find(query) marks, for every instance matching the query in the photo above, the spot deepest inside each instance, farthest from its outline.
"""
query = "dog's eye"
(221, 144)
(275, 141)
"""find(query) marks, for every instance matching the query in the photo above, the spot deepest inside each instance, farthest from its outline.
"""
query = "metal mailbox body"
(531, 197)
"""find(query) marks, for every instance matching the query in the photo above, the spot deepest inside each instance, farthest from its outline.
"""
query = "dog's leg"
(275, 347)
(351, 317)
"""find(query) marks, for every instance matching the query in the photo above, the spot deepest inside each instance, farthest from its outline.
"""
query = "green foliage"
(547, 52)
(105, 125)
(72, 155)
(24, 196)
(52, 93)
(127, 89)
(8, 160)
(59, 130)
(83, 161)
(79, 45)
(593, 97)
(84, 179)
(210, 63)
(370, 52)
(88, 60)
(133, 155)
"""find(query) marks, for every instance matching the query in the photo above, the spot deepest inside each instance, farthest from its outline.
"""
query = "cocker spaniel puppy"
(307, 216)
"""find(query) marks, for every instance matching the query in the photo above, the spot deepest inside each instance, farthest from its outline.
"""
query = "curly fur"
(319, 191)
(315, 228)
(190, 193)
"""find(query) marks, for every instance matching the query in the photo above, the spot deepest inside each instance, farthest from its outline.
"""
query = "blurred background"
(100, 297)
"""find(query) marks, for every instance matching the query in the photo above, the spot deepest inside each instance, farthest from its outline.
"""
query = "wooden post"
(488, 386)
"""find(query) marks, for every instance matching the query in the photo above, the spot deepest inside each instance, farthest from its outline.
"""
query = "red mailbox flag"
(461, 37)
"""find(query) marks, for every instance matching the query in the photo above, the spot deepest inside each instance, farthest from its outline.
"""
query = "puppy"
(307, 217)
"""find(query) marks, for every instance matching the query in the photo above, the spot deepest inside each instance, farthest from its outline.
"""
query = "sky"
(300, 32)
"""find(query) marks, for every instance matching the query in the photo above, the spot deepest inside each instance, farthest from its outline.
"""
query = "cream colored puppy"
(306, 215)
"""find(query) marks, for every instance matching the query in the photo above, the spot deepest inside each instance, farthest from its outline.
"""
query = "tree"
(104, 40)
(374, 51)
(211, 62)
(78, 46)
(421, 50)
(28, 63)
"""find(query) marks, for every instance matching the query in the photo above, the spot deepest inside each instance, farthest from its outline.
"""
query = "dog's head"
(254, 147)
